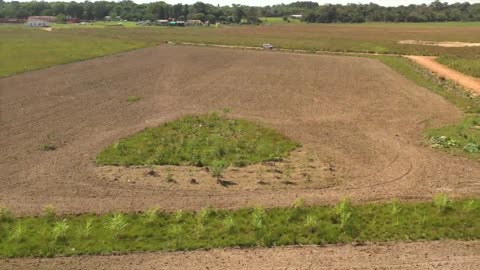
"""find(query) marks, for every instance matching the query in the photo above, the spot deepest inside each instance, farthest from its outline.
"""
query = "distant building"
(73, 20)
(12, 20)
(194, 22)
(162, 22)
(296, 16)
(50, 19)
(36, 23)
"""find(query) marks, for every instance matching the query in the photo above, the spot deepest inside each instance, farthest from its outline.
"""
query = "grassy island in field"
(203, 140)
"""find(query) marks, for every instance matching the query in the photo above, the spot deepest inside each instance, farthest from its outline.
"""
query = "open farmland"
(362, 121)
(75, 42)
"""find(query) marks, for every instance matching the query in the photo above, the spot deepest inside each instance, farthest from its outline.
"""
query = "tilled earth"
(421, 255)
(363, 121)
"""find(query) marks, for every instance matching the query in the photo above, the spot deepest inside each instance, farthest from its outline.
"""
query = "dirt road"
(423, 255)
(429, 63)
(356, 114)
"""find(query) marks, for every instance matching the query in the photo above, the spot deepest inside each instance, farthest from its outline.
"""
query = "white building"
(36, 23)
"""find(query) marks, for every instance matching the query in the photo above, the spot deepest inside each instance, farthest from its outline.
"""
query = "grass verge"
(207, 140)
(462, 138)
(466, 65)
(154, 230)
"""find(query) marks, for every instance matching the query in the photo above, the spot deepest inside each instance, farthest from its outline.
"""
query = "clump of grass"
(311, 223)
(132, 99)
(19, 232)
(60, 230)
(229, 224)
(218, 168)
(151, 214)
(6, 215)
(200, 141)
(116, 224)
(442, 202)
(49, 212)
(85, 231)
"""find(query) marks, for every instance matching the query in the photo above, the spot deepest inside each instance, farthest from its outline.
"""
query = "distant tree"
(61, 18)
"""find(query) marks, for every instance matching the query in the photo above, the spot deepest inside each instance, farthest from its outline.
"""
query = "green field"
(34, 48)
(52, 235)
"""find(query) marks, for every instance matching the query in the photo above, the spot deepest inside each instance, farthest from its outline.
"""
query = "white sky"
(273, 2)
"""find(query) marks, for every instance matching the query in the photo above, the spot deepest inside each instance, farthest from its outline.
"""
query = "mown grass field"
(52, 235)
(34, 48)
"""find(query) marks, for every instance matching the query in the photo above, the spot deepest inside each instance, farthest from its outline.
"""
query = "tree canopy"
(312, 12)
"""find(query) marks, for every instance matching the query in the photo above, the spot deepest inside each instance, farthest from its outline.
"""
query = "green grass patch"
(466, 65)
(23, 49)
(206, 140)
(463, 137)
(155, 230)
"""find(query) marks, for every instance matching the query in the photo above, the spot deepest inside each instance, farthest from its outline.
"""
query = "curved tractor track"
(356, 114)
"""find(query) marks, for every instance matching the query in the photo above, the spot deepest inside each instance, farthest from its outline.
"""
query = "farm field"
(365, 144)
(93, 40)
(288, 129)
(420, 255)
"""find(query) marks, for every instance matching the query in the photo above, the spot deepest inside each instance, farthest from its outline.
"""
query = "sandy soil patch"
(448, 44)
(357, 114)
(466, 81)
(421, 255)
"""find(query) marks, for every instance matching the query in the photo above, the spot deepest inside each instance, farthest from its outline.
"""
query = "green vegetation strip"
(155, 230)
(467, 65)
(462, 138)
(206, 140)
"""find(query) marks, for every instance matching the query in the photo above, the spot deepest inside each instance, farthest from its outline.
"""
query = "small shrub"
(229, 224)
(19, 232)
(469, 206)
(132, 99)
(60, 230)
(116, 224)
(151, 214)
(310, 223)
(442, 202)
(299, 203)
(85, 231)
(49, 212)
(179, 216)
(48, 147)
(218, 168)
(442, 142)
(203, 215)
(6, 215)
(472, 148)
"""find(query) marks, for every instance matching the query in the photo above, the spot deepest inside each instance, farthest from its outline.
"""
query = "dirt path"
(356, 114)
(429, 62)
(418, 255)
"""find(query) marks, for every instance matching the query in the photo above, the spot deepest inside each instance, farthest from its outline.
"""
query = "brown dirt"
(447, 44)
(429, 62)
(419, 255)
(356, 114)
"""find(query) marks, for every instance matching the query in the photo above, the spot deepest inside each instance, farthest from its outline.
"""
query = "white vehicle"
(267, 46)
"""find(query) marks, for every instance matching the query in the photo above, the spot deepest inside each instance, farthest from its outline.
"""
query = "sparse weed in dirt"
(49, 212)
(33, 236)
(132, 99)
(206, 140)
(48, 147)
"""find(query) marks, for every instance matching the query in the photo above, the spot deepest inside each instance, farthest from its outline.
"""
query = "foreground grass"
(207, 140)
(466, 65)
(154, 230)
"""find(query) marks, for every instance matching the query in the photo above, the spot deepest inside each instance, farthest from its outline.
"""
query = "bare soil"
(421, 255)
(466, 81)
(363, 121)
(447, 44)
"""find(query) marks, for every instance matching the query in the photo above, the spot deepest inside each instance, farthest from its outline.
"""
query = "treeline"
(311, 11)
